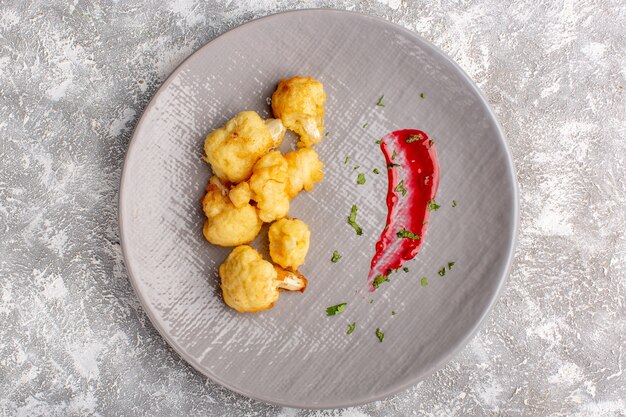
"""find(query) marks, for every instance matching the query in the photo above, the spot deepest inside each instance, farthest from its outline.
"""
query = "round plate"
(293, 354)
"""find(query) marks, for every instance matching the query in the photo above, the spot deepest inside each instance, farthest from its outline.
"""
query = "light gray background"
(74, 78)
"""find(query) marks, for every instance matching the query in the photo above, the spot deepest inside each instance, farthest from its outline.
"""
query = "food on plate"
(269, 186)
(305, 169)
(253, 183)
(289, 242)
(233, 150)
(299, 103)
(413, 178)
(250, 283)
(227, 224)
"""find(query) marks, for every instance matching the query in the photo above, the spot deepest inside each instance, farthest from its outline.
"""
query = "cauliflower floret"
(305, 169)
(233, 149)
(226, 224)
(240, 194)
(269, 186)
(250, 283)
(289, 242)
(299, 103)
(277, 130)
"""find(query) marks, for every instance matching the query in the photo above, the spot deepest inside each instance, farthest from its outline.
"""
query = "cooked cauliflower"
(227, 224)
(277, 130)
(233, 149)
(240, 194)
(305, 169)
(299, 103)
(250, 283)
(289, 242)
(269, 186)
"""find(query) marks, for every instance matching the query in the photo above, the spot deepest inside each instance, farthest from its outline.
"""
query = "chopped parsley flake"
(432, 205)
(405, 269)
(379, 141)
(352, 221)
(360, 179)
(326, 134)
(400, 188)
(345, 161)
(442, 271)
(365, 125)
(424, 281)
(379, 280)
(393, 313)
(371, 300)
(335, 258)
(376, 171)
(351, 327)
(414, 138)
(453, 203)
(422, 95)
(331, 311)
(392, 165)
(450, 265)
(407, 234)
(357, 167)
(380, 335)
(393, 154)
(379, 103)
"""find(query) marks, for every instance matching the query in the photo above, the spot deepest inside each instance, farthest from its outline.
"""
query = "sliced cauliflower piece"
(233, 149)
(226, 224)
(269, 186)
(277, 130)
(299, 103)
(240, 194)
(305, 169)
(289, 242)
(251, 284)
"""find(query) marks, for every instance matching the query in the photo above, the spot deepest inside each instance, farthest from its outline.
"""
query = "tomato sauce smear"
(413, 178)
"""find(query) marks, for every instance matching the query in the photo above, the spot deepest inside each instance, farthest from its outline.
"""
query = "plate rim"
(436, 366)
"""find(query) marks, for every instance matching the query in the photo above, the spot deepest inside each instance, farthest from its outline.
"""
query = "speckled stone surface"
(74, 79)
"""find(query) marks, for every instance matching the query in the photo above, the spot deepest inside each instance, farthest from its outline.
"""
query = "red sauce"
(416, 165)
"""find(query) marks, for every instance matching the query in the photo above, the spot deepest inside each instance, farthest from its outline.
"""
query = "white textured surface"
(75, 78)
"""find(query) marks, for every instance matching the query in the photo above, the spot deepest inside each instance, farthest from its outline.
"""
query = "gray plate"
(293, 354)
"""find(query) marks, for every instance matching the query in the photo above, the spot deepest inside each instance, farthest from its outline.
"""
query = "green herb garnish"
(379, 103)
(345, 161)
(442, 271)
(376, 171)
(392, 165)
(351, 328)
(422, 95)
(414, 138)
(424, 281)
(432, 205)
(352, 220)
(393, 313)
(379, 280)
(357, 167)
(380, 335)
(331, 311)
(393, 154)
(450, 265)
(335, 258)
(453, 203)
(407, 234)
(365, 125)
(379, 141)
(400, 188)
(326, 134)
(405, 269)
(371, 300)
(360, 179)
